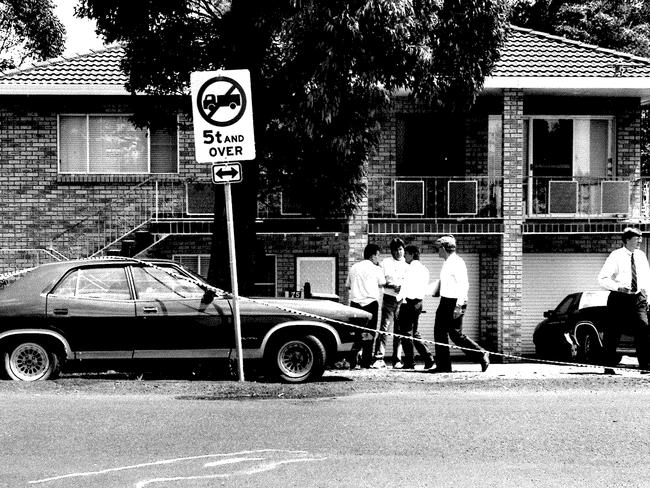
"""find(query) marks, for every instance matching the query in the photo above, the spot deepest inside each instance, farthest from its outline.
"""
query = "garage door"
(471, 320)
(547, 278)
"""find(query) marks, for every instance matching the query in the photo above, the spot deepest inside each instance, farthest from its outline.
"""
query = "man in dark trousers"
(415, 285)
(365, 281)
(454, 287)
(626, 274)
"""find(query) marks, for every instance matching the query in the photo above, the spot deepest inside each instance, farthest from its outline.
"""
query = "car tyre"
(31, 361)
(297, 359)
(589, 349)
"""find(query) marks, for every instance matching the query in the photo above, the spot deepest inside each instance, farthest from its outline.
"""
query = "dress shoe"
(485, 362)
(429, 363)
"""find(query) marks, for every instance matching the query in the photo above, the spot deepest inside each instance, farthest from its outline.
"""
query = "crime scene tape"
(227, 294)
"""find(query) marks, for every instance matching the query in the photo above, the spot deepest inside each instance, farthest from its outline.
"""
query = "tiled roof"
(98, 69)
(527, 54)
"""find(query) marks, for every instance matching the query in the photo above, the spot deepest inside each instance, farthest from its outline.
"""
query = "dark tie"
(633, 286)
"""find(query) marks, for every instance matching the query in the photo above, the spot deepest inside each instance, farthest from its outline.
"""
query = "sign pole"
(233, 278)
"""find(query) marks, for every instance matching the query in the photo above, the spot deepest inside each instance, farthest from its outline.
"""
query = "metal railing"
(435, 197)
(585, 197)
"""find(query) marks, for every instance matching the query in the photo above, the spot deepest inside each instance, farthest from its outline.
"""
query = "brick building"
(536, 182)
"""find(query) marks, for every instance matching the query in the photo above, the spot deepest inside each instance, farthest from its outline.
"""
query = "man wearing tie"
(626, 274)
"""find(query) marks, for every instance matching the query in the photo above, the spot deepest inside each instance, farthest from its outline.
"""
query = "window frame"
(87, 172)
(611, 139)
(332, 259)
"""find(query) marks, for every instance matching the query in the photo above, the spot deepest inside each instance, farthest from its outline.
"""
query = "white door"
(547, 279)
(430, 305)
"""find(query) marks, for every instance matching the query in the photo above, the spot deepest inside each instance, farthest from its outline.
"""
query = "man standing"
(394, 270)
(364, 280)
(454, 287)
(627, 275)
(415, 285)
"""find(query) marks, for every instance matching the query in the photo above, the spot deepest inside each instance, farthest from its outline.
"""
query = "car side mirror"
(208, 296)
(549, 313)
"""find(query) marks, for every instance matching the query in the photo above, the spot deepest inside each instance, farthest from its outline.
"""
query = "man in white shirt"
(415, 284)
(395, 270)
(364, 282)
(626, 274)
(454, 287)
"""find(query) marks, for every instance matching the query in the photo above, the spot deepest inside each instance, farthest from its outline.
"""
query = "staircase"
(130, 224)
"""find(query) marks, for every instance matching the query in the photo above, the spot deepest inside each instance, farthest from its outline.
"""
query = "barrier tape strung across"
(228, 294)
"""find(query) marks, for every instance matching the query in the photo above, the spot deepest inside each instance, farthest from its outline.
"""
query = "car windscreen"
(565, 305)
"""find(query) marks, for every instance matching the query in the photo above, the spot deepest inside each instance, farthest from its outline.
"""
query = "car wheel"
(298, 359)
(31, 361)
(589, 348)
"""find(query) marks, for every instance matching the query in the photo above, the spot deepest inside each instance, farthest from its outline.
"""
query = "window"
(319, 272)
(111, 144)
(197, 263)
(430, 145)
(156, 284)
(571, 146)
(104, 283)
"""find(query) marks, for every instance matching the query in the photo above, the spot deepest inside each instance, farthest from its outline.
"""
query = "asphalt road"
(361, 429)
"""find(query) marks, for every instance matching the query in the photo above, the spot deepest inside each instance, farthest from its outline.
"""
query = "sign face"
(223, 115)
(226, 173)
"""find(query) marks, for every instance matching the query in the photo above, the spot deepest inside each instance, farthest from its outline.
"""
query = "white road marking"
(230, 461)
(167, 462)
(260, 469)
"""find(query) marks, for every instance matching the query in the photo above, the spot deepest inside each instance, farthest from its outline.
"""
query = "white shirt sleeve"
(606, 277)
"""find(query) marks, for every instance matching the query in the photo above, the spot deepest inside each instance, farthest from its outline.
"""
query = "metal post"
(233, 278)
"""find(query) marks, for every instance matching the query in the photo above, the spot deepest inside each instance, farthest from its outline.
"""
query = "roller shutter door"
(427, 320)
(547, 279)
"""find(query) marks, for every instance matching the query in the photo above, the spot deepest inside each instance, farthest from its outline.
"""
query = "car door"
(176, 319)
(94, 309)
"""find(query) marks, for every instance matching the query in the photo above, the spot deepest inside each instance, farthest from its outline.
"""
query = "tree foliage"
(29, 31)
(322, 72)
(623, 25)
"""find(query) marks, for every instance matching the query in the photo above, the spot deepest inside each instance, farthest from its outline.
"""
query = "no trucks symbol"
(221, 101)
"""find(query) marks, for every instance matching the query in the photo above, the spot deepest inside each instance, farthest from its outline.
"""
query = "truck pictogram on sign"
(222, 101)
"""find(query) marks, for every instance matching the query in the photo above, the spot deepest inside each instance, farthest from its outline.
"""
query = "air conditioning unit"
(615, 197)
(562, 197)
(199, 198)
(462, 197)
(409, 197)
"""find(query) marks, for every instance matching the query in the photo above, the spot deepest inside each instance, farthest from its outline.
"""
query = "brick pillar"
(357, 238)
(513, 217)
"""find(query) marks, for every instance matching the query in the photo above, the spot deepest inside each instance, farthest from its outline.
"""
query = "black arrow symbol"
(231, 172)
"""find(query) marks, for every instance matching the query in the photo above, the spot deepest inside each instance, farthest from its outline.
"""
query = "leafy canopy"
(322, 71)
(29, 31)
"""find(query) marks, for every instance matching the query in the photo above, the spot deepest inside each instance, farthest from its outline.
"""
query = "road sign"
(226, 173)
(223, 115)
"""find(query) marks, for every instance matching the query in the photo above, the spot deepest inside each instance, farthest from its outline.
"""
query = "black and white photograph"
(324, 243)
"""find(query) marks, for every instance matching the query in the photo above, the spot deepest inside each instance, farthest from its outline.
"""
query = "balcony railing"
(585, 197)
(429, 197)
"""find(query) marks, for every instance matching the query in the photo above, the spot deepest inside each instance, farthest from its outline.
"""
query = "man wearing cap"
(626, 274)
(454, 287)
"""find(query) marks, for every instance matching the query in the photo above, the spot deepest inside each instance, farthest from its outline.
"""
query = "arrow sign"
(226, 173)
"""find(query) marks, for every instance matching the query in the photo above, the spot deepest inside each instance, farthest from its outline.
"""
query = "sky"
(80, 33)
